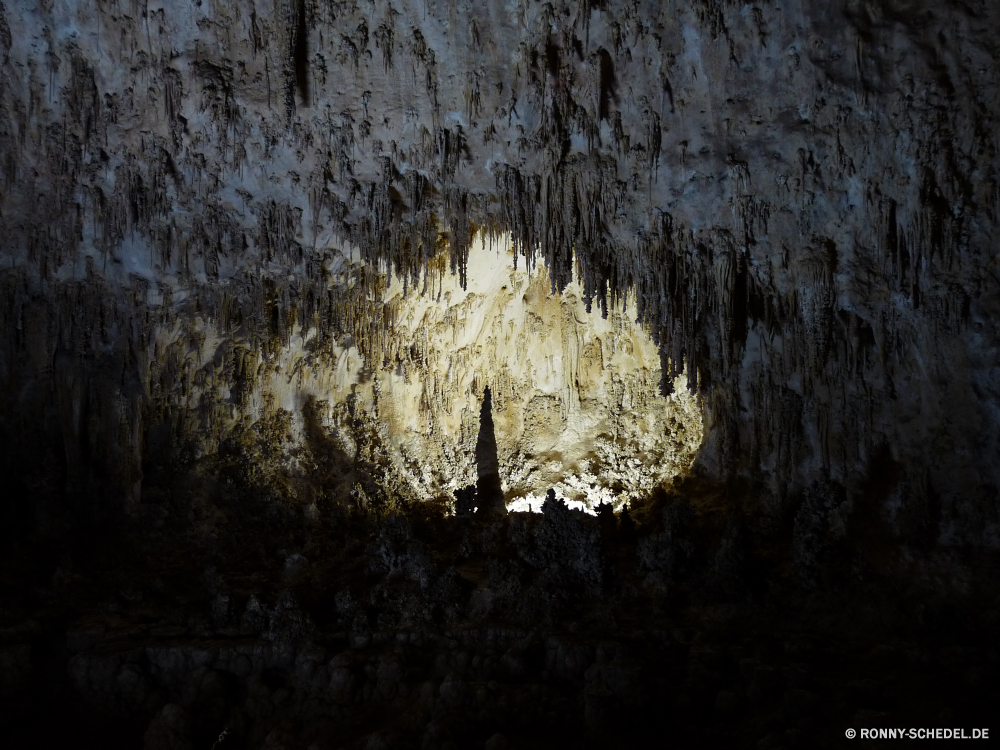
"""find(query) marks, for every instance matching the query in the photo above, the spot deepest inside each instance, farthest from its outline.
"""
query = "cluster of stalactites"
(106, 191)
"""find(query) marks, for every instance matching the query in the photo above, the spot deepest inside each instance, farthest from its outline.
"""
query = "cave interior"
(437, 374)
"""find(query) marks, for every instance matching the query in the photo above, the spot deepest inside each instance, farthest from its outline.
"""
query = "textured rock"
(249, 274)
(169, 730)
(489, 492)
(802, 197)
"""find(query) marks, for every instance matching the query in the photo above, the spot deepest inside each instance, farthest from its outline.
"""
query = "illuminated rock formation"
(797, 227)
(730, 265)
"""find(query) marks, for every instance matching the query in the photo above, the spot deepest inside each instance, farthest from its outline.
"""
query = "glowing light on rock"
(576, 400)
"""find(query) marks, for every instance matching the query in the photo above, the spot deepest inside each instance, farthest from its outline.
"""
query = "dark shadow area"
(300, 52)
(280, 590)
(262, 609)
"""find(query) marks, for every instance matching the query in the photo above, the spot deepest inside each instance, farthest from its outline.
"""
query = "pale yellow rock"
(576, 397)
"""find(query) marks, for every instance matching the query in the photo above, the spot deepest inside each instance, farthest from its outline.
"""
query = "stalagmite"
(489, 491)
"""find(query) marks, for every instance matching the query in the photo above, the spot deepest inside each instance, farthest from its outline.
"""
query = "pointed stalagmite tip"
(489, 491)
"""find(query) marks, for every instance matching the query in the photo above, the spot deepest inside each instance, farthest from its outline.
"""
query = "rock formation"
(244, 302)
(489, 491)
(799, 228)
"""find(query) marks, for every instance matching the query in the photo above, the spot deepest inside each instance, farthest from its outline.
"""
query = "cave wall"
(803, 197)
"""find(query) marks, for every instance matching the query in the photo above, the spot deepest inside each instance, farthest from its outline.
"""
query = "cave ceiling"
(800, 199)
(298, 297)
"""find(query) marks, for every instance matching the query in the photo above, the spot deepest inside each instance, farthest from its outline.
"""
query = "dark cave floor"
(681, 624)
